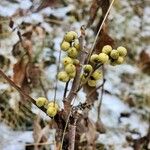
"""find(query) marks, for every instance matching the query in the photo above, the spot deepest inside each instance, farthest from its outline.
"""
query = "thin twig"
(38, 144)
(66, 89)
(101, 97)
(56, 79)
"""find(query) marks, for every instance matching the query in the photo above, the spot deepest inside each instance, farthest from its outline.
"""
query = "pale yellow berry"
(122, 51)
(92, 83)
(83, 78)
(103, 58)
(87, 68)
(114, 54)
(96, 75)
(107, 49)
(51, 111)
(94, 58)
(70, 68)
(72, 52)
(63, 76)
(76, 44)
(72, 75)
(53, 104)
(76, 62)
(120, 60)
(65, 46)
(41, 101)
(70, 36)
(67, 60)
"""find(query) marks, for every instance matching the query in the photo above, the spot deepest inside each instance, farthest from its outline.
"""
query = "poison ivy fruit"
(103, 58)
(51, 111)
(120, 60)
(107, 49)
(76, 44)
(92, 83)
(76, 62)
(94, 58)
(122, 51)
(63, 76)
(72, 75)
(70, 68)
(41, 101)
(87, 68)
(96, 75)
(72, 52)
(70, 36)
(53, 104)
(65, 45)
(114, 54)
(67, 60)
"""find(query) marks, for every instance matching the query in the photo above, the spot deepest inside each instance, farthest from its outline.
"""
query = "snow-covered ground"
(124, 23)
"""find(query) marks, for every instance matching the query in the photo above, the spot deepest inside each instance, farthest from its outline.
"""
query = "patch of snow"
(8, 10)
(25, 4)
(12, 140)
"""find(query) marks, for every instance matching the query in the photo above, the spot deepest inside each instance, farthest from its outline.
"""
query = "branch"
(27, 97)
(82, 58)
(72, 133)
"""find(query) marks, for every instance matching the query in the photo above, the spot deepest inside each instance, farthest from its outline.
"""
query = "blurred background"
(125, 108)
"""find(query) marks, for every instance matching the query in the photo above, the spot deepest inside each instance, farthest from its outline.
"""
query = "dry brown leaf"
(144, 61)
(37, 129)
(93, 12)
(33, 74)
(100, 126)
(19, 70)
(103, 39)
(89, 137)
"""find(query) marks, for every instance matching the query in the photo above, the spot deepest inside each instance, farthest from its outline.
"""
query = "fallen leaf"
(144, 61)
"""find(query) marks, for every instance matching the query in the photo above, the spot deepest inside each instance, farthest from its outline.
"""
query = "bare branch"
(27, 97)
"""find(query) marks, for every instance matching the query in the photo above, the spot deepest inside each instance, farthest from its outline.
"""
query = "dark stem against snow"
(101, 96)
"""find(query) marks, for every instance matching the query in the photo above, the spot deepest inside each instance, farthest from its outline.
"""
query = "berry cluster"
(116, 56)
(90, 75)
(52, 107)
(71, 46)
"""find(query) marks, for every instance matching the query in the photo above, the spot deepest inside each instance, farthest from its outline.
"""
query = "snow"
(125, 24)
(12, 140)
